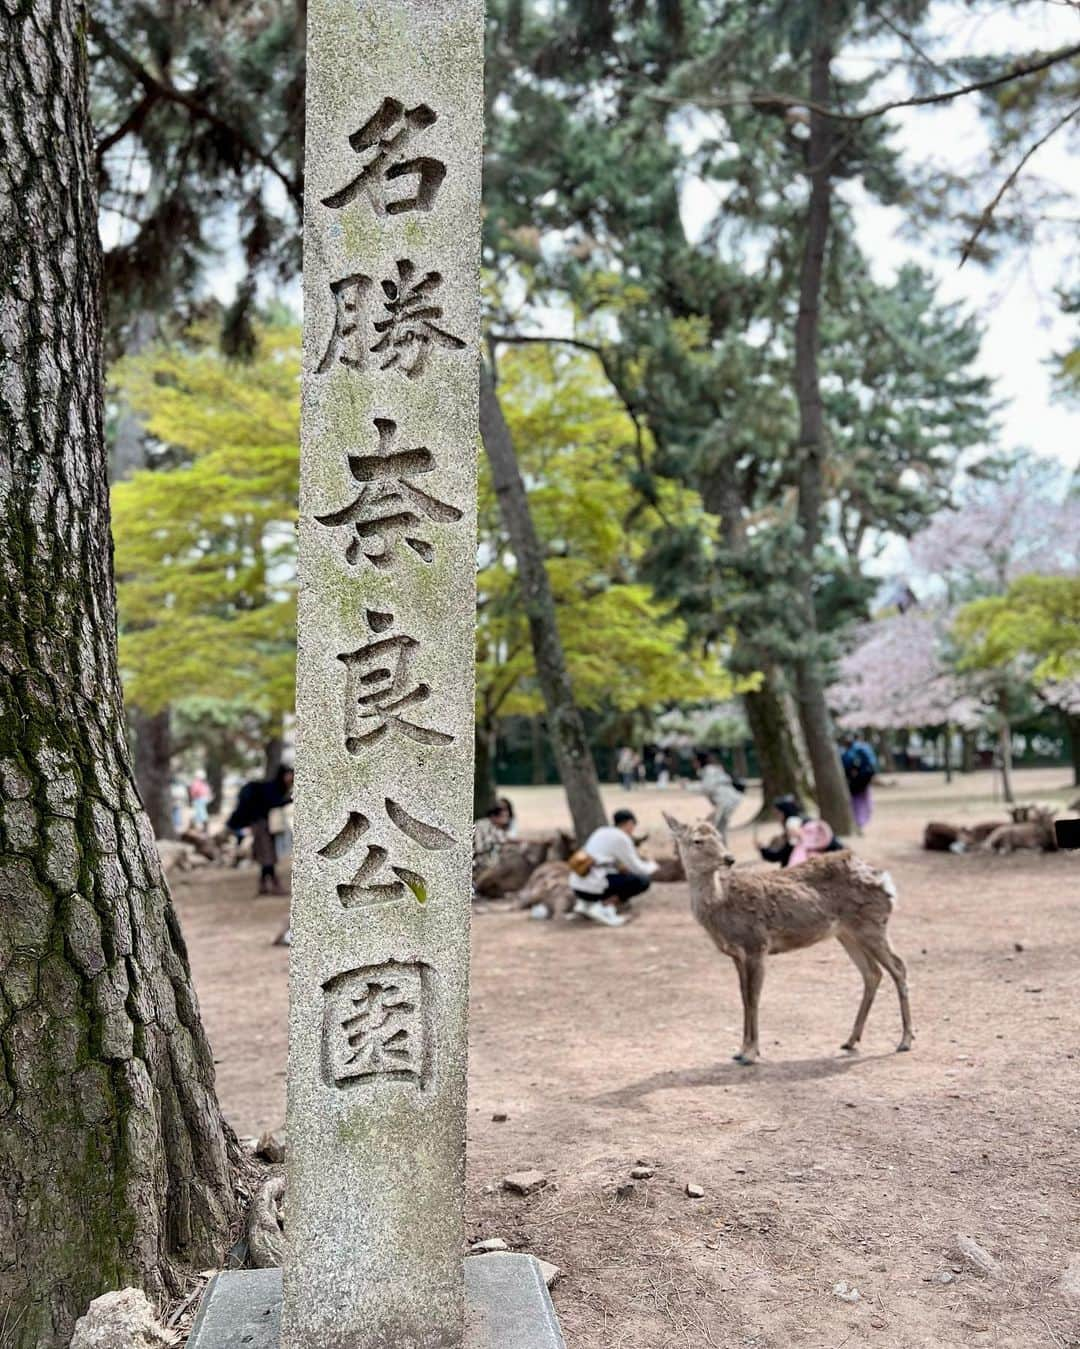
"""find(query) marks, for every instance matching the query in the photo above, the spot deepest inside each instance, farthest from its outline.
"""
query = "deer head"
(700, 846)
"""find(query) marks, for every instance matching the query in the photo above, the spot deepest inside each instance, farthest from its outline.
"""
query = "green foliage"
(577, 450)
(1036, 622)
(199, 113)
(584, 208)
(205, 543)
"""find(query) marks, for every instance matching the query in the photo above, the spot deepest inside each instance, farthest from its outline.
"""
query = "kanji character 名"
(384, 140)
(375, 1023)
(379, 689)
(389, 507)
(404, 337)
(368, 884)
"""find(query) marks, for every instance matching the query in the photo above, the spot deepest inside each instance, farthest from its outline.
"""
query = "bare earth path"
(604, 1048)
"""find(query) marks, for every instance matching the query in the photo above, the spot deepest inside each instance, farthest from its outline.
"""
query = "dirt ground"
(605, 1048)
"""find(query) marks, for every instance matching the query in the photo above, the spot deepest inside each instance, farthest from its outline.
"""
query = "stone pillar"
(381, 881)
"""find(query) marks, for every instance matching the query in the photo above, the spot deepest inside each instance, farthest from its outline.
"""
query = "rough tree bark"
(577, 772)
(833, 800)
(153, 767)
(774, 745)
(115, 1165)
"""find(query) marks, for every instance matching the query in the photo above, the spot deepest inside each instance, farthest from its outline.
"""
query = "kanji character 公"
(379, 689)
(365, 885)
(389, 507)
(385, 139)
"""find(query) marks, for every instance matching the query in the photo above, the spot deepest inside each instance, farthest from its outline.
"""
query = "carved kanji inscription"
(389, 507)
(398, 332)
(384, 142)
(374, 882)
(375, 1024)
(380, 692)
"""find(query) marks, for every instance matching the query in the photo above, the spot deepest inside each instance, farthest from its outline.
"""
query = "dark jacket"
(256, 801)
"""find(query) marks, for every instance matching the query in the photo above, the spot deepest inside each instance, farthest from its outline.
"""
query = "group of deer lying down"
(1031, 827)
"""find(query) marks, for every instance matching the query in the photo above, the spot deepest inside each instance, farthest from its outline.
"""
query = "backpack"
(580, 862)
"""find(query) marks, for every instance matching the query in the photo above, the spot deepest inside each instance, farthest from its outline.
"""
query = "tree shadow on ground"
(726, 1074)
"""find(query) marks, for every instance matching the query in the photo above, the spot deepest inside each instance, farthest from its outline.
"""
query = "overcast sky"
(1016, 300)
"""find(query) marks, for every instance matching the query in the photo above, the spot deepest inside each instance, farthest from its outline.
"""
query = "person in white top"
(619, 873)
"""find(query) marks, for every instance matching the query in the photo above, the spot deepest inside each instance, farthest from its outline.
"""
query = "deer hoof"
(745, 1060)
(851, 1047)
(904, 1047)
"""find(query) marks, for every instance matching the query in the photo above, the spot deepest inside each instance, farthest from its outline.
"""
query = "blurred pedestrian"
(721, 791)
(626, 767)
(199, 796)
(860, 768)
(253, 809)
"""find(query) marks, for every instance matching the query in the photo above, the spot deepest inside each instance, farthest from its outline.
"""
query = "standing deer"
(752, 914)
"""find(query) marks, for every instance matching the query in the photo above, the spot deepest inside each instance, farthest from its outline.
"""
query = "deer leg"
(751, 978)
(878, 946)
(871, 973)
(744, 993)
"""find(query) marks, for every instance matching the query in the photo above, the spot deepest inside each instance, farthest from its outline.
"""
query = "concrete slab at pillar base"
(507, 1306)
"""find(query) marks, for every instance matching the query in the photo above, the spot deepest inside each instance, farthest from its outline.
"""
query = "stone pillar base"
(507, 1306)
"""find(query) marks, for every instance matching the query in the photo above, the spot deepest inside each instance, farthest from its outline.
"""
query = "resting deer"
(752, 914)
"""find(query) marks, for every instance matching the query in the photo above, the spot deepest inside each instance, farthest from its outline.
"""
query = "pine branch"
(1018, 168)
(131, 122)
(161, 89)
(773, 102)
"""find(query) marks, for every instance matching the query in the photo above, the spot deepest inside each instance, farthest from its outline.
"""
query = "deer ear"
(673, 824)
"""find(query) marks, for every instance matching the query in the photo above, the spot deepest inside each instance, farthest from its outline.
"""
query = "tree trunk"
(774, 745)
(1072, 732)
(833, 800)
(273, 751)
(1005, 751)
(573, 757)
(153, 768)
(215, 777)
(115, 1164)
(967, 755)
(947, 752)
(485, 788)
(539, 765)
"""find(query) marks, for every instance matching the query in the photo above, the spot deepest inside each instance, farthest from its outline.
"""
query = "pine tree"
(115, 1164)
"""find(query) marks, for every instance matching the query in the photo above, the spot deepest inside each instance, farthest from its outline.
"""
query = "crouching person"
(609, 872)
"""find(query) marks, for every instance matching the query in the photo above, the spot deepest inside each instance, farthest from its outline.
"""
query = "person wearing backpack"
(860, 768)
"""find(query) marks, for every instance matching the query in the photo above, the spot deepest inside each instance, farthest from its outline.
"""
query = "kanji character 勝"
(385, 139)
(403, 338)
(389, 507)
(379, 689)
(409, 333)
